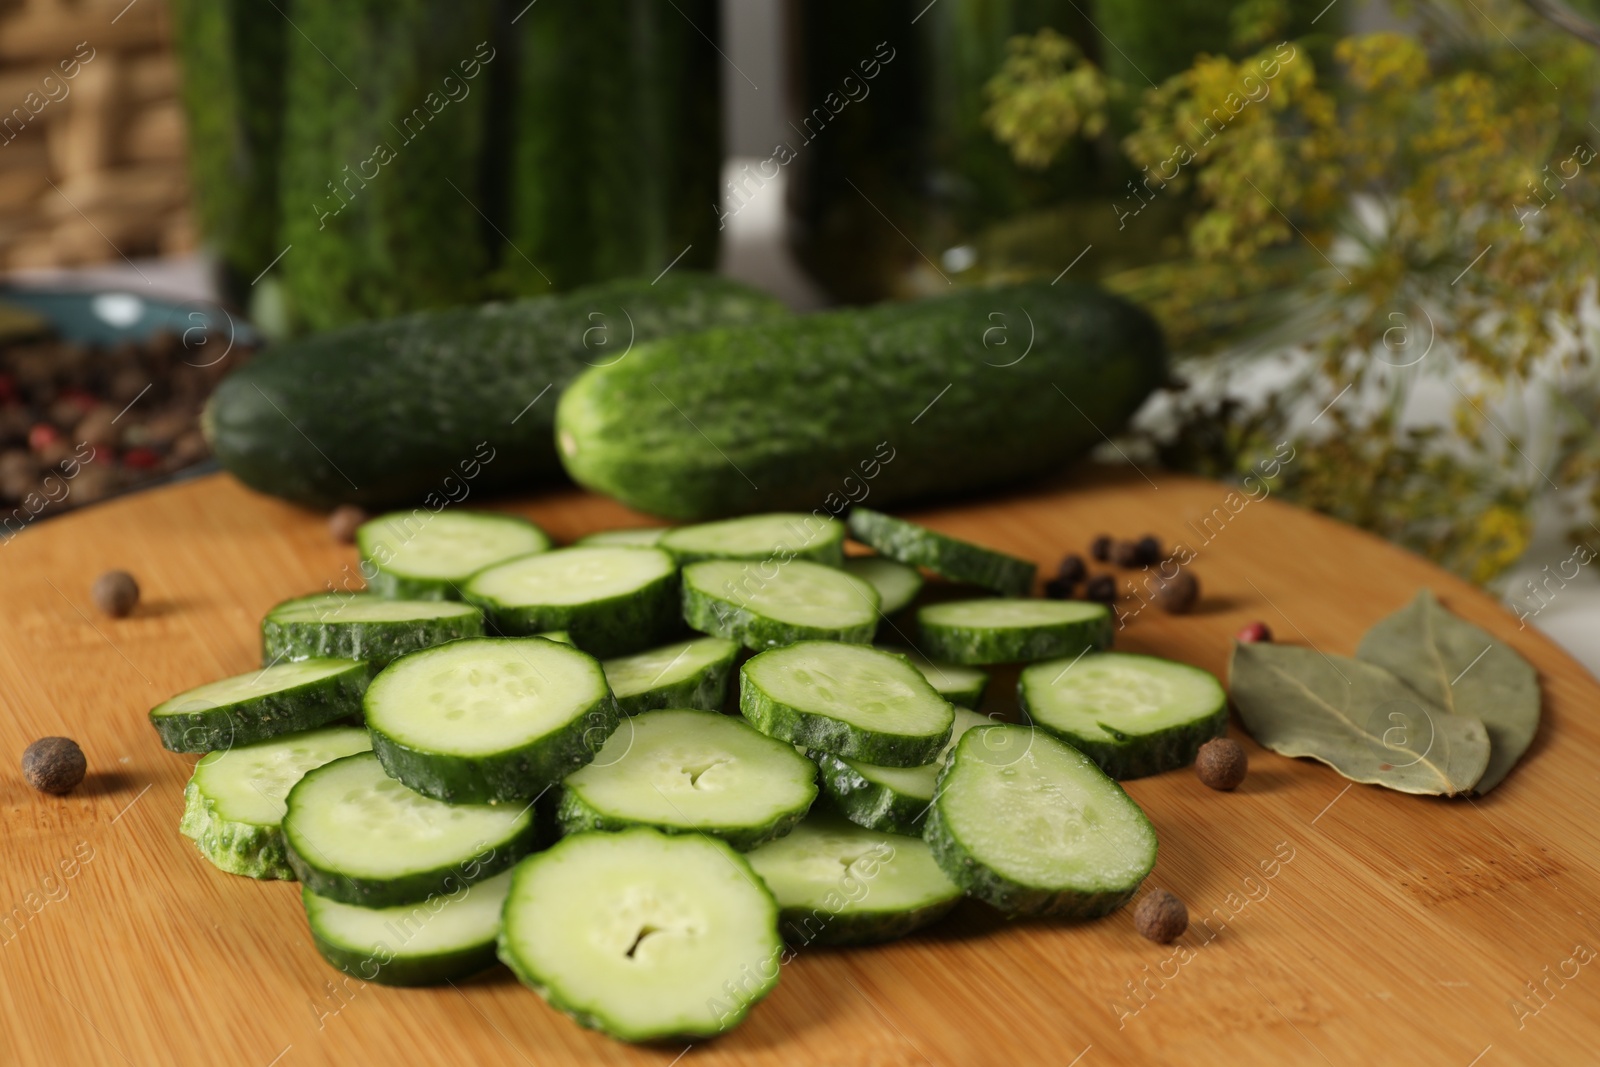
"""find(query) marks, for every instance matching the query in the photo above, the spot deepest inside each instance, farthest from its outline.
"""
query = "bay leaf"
(1463, 669)
(1357, 718)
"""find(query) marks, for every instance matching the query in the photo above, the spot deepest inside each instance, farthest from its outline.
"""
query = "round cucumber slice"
(960, 561)
(1133, 715)
(643, 935)
(489, 719)
(765, 607)
(639, 536)
(282, 699)
(778, 537)
(962, 686)
(362, 626)
(612, 599)
(892, 799)
(897, 584)
(427, 943)
(837, 883)
(688, 674)
(233, 804)
(425, 555)
(1033, 827)
(686, 771)
(1012, 631)
(357, 836)
(560, 637)
(850, 700)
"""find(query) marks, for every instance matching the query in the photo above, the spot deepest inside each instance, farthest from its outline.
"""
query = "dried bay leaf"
(1464, 670)
(1357, 718)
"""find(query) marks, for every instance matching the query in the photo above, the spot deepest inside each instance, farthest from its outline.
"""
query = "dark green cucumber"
(896, 583)
(610, 599)
(905, 398)
(892, 799)
(284, 698)
(778, 538)
(355, 835)
(960, 561)
(419, 555)
(1011, 631)
(488, 720)
(1031, 826)
(1133, 715)
(689, 674)
(854, 701)
(763, 606)
(362, 626)
(436, 405)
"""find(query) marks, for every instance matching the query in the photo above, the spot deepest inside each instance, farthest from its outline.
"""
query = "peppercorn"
(1072, 569)
(1102, 587)
(1160, 917)
(1254, 633)
(1059, 589)
(115, 593)
(54, 764)
(342, 522)
(1100, 548)
(1221, 763)
(1148, 550)
(1125, 554)
(1177, 595)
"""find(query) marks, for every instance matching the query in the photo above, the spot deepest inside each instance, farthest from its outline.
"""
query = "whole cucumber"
(382, 413)
(893, 402)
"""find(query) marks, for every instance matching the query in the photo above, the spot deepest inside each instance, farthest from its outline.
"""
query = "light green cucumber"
(960, 561)
(962, 686)
(281, 699)
(762, 607)
(688, 674)
(362, 626)
(426, 555)
(892, 799)
(779, 537)
(1012, 631)
(896, 583)
(638, 536)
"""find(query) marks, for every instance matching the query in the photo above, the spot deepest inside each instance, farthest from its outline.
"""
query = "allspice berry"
(115, 593)
(1221, 763)
(1178, 595)
(1160, 917)
(54, 764)
(342, 523)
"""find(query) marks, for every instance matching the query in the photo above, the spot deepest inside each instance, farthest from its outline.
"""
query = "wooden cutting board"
(1352, 925)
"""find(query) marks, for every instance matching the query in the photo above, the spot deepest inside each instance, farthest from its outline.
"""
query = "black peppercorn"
(1100, 548)
(1072, 569)
(1125, 554)
(1147, 551)
(1059, 589)
(1101, 587)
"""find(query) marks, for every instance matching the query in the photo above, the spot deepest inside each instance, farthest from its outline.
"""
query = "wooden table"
(1355, 925)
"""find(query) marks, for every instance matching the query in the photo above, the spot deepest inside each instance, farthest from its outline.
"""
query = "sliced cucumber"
(837, 883)
(850, 700)
(424, 555)
(281, 699)
(962, 686)
(685, 771)
(689, 674)
(357, 836)
(362, 626)
(778, 537)
(641, 536)
(560, 637)
(892, 799)
(1033, 827)
(612, 599)
(233, 804)
(764, 607)
(643, 935)
(897, 584)
(1132, 715)
(490, 719)
(960, 561)
(1012, 631)
(434, 941)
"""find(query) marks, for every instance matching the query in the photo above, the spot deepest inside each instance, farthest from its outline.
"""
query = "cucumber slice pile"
(424, 555)
(611, 599)
(837, 883)
(962, 686)
(850, 700)
(685, 771)
(763, 606)
(234, 802)
(357, 836)
(643, 935)
(492, 719)
(1132, 715)
(362, 626)
(960, 561)
(892, 799)
(1033, 827)
(779, 537)
(244, 709)
(433, 941)
(688, 674)
(897, 584)
(1011, 630)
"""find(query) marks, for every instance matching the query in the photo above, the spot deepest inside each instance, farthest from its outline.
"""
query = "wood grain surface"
(1352, 925)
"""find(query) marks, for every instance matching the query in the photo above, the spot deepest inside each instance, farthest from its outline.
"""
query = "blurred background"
(1367, 228)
